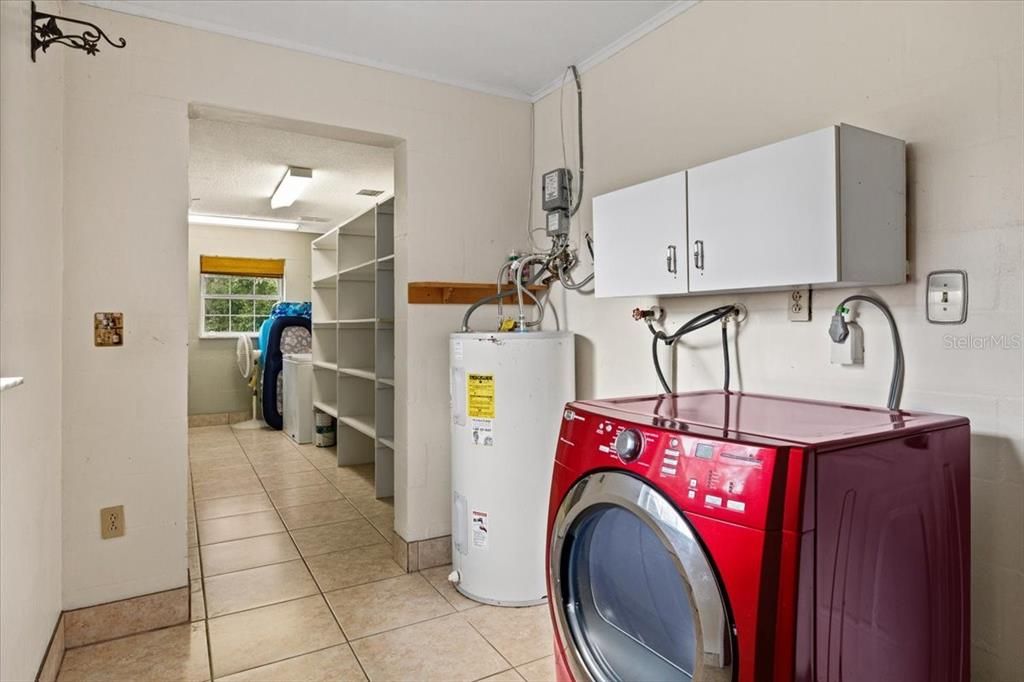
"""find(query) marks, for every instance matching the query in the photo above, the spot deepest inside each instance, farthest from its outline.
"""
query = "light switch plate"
(946, 298)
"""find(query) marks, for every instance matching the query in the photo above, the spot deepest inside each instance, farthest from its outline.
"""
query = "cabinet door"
(640, 239)
(765, 218)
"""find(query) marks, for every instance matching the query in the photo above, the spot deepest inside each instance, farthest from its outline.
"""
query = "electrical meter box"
(556, 190)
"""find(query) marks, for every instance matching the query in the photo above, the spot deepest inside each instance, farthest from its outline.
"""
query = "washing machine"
(718, 536)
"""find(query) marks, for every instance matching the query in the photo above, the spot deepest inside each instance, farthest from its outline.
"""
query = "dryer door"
(634, 594)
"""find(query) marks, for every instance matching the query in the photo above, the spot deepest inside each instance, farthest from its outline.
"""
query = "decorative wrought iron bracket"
(46, 31)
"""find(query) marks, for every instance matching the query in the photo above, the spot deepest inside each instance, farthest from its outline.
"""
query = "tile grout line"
(202, 576)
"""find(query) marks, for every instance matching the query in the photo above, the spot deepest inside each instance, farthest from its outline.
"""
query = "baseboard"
(99, 623)
(421, 554)
(218, 418)
(54, 656)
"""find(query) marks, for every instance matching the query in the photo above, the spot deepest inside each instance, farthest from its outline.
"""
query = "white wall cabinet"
(825, 209)
(640, 238)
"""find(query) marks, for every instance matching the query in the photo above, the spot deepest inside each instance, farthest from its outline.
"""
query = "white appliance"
(508, 392)
(298, 397)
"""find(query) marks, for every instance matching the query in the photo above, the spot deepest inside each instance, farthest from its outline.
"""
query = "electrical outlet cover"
(798, 305)
(112, 522)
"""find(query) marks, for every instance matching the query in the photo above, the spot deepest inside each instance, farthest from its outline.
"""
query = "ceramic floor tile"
(227, 488)
(386, 604)
(176, 653)
(256, 587)
(438, 577)
(201, 465)
(299, 480)
(204, 473)
(227, 528)
(371, 506)
(198, 603)
(289, 466)
(337, 664)
(384, 523)
(269, 460)
(193, 534)
(539, 671)
(505, 676)
(232, 506)
(238, 555)
(353, 567)
(521, 635)
(321, 458)
(269, 447)
(349, 486)
(447, 649)
(318, 514)
(336, 537)
(272, 633)
(194, 569)
(294, 497)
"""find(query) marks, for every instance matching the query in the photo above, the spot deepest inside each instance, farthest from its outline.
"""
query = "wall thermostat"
(556, 187)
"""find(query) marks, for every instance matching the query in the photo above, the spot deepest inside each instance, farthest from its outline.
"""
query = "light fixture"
(230, 221)
(293, 184)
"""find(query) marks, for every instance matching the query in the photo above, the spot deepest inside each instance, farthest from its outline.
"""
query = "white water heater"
(508, 392)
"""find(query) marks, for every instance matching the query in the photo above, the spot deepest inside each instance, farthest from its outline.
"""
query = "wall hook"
(46, 31)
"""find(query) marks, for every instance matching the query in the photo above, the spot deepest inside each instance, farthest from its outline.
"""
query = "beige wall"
(126, 197)
(31, 104)
(948, 78)
(214, 384)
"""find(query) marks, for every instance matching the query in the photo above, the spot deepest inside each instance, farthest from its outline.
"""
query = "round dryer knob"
(629, 444)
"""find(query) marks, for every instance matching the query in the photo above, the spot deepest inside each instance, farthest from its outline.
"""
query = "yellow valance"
(243, 267)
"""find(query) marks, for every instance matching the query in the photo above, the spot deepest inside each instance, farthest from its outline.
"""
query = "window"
(237, 294)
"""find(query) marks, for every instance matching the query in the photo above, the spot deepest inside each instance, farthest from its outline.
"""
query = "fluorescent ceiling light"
(229, 221)
(293, 184)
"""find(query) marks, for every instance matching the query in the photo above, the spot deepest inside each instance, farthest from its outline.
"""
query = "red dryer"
(727, 536)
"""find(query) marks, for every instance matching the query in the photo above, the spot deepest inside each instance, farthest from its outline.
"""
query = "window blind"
(242, 267)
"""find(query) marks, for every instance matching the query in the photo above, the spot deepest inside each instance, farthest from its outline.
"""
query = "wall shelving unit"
(354, 338)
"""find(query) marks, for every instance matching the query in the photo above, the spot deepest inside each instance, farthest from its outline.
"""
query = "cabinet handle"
(698, 254)
(671, 261)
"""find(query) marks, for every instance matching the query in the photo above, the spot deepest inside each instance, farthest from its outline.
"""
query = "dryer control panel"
(723, 479)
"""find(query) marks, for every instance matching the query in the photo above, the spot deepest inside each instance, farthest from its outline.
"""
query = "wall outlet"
(799, 305)
(112, 522)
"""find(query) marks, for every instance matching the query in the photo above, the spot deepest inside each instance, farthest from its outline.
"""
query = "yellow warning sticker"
(480, 396)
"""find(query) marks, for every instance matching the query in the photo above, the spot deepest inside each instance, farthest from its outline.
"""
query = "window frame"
(203, 296)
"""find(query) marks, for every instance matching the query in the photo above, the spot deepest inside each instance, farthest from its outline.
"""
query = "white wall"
(214, 384)
(30, 313)
(126, 198)
(948, 78)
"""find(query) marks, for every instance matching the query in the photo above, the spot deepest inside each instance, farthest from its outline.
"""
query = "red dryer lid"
(778, 418)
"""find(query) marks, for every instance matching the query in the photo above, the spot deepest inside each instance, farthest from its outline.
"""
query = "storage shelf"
(361, 423)
(386, 442)
(325, 324)
(386, 381)
(358, 373)
(364, 272)
(386, 261)
(320, 364)
(328, 241)
(461, 293)
(324, 407)
(358, 322)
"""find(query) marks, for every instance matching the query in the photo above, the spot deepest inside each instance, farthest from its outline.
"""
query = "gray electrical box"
(556, 186)
(558, 223)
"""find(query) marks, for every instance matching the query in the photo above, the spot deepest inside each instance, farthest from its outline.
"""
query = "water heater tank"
(508, 393)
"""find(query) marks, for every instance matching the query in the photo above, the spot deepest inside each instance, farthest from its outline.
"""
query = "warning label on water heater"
(478, 522)
(480, 396)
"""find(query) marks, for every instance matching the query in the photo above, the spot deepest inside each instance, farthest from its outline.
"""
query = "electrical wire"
(898, 364)
(698, 322)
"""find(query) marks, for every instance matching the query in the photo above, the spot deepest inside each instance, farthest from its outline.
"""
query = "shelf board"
(332, 366)
(324, 407)
(387, 442)
(459, 293)
(361, 273)
(386, 381)
(328, 241)
(386, 263)
(326, 282)
(361, 423)
(357, 322)
(358, 373)
(327, 324)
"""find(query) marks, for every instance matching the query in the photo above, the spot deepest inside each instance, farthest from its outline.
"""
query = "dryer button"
(736, 505)
(713, 500)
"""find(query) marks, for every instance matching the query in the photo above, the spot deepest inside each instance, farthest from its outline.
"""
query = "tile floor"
(293, 580)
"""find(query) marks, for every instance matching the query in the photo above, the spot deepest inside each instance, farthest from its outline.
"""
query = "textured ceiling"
(234, 168)
(516, 48)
